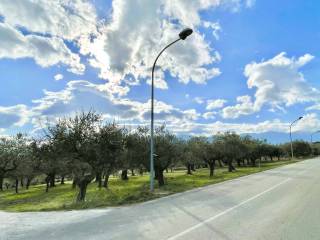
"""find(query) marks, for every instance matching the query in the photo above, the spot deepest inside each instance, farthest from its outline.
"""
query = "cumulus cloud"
(215, 26)
(278, 83)
(138, 30)
(159, 83)
(38, 29)
(123, 46)
(45, 51)
(245, 106)
(308, 124)
(68, 19)
(82, 95)
(16, 115)
(209, 115)
(215, 104)
(198, 100)
(58, 77)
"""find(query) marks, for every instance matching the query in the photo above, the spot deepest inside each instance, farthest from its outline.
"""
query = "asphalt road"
(282, 203)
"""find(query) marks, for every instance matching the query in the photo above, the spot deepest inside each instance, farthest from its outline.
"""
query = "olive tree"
(108, 147)
(79, 142)
(8, 160)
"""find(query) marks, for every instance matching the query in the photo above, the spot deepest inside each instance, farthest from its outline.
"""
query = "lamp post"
(313, 134)
(182, 36)
(291, 135)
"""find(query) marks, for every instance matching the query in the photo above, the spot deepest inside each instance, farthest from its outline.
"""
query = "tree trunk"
(99, 180)
(17, 185)
(141, 171)
(167, 170)
(82, 191)
(220, 163)
(21, 182)
(230, 166)
(124, 174)
(52, 180)
(62, 180)
(1, 183)
(98, 177)
(74, 184)
(238, 162)
(211, 166)
(155, 174)
(132, 172)
(253, 162)
(47, 183)
(83, 183)
(28, 183)
(189, 169)
(160, 177)
(193, 167)
(106, 181)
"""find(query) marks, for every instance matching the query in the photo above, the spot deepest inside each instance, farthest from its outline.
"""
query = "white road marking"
(226, 211)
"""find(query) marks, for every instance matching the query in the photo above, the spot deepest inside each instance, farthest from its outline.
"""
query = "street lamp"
(182, 36)
(314, 133)
(291, 135)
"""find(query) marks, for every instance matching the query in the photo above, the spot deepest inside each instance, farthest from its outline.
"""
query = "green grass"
(120, 192)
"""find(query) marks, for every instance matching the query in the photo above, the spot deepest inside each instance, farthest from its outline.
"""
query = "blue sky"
(250, 66)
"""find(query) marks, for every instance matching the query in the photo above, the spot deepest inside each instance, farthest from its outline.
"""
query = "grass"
(62, 197)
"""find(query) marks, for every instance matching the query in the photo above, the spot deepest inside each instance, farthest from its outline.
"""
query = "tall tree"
(8, 160)
(108, 147)
(79, 142)
(232, 148)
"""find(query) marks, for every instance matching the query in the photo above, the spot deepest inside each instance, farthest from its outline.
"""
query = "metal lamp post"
(182, 36)
(291, 135)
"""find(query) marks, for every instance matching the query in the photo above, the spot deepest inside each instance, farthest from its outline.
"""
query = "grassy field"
(62, 197)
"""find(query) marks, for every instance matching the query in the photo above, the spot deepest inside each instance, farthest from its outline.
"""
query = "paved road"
(282, 203)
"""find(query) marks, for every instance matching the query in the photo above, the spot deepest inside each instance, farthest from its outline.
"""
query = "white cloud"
(46, 25)
(159, 82)
(45, 51)
(278, 82)
(209, 115)
(58, 77)
(215, 26)
(124, 44)
(215, 104)
(67, 19)
(16, 115)
(198, 100)
(245, 106)
(138, 30)
(308, 124)
(82, 95)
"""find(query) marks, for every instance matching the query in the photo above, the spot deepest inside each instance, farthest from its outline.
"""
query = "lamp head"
(185, 33)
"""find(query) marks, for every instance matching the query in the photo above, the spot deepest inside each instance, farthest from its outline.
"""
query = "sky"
(251, 66)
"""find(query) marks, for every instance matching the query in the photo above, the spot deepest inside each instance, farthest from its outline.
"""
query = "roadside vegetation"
(82, 162)
(63, 197)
